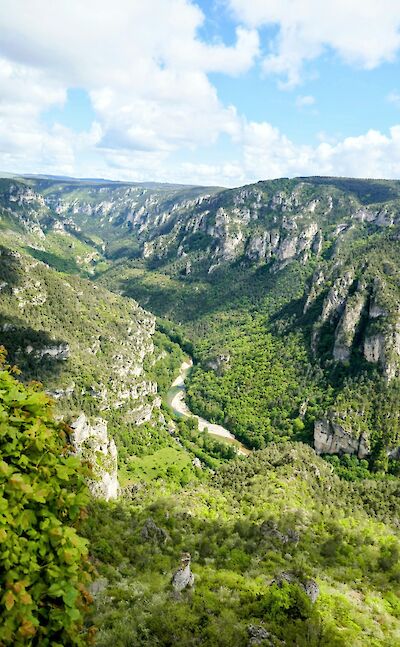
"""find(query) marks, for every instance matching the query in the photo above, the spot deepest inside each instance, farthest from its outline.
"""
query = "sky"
(216, 92)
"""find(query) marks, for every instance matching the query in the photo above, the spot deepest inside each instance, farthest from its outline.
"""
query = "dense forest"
(286, 296)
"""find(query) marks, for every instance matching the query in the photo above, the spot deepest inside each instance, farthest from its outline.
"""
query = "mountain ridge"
(293, 334)
(321, 237)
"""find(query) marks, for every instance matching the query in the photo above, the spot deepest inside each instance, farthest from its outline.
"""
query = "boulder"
(183, 578)
(152, 532)
(258, 635)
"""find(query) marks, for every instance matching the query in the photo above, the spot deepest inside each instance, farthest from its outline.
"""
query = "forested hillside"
(286, 295)
(289, 291)
(286, 290)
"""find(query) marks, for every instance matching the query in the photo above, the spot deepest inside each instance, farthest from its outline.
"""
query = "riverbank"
(176, 400)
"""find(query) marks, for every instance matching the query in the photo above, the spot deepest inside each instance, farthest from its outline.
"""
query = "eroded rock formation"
(91, 442)
(331, 438)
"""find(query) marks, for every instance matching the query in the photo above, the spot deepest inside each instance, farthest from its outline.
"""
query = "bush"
(42, 493)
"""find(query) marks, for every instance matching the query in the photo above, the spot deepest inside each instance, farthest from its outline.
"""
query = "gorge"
(266, 316)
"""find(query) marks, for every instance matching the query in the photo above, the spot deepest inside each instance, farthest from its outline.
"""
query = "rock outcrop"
(374, 348)
(153, 533)
(362, 313)
(334, 303)
(183, 578)
(59, 352)
(309, 586)
(258, 635)
(269, 530)
(219, 363)
(92, 444)
(331, 438)
(348, 323)
(383, 347)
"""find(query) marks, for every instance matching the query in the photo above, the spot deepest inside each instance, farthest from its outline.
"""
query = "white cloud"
(146, 70)
(142, 63)
(264, 152)
(304, 101)
(394, 97)
(361, 32)
(268, 153)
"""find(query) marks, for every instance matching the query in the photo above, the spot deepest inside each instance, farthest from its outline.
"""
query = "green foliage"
(282, 510)
(42, 558)
(165, 464)
(244, 521)
(349, 467)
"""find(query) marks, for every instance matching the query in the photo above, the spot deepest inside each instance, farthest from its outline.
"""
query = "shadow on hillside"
(24, 345)
(10, 269)
(66, 265)
(235, 289)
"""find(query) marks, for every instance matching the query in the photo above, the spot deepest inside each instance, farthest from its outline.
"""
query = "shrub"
(43, 564)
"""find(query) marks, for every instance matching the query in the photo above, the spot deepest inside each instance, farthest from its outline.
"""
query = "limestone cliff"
(348, 323)
(331, 438)
(92, 444)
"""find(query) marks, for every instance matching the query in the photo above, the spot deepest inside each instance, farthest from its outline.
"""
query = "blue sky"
(212, 92)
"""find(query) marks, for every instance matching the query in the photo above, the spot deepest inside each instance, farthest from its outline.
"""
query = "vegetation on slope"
(43, 559)
(258, 529)
(280, 511)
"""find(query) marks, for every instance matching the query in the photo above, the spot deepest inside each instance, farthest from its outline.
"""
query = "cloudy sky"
(209, 91)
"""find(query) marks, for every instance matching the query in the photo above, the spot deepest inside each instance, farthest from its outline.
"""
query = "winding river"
(176, 400)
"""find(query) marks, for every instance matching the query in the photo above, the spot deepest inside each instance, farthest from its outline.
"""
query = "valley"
(176, 399)
(227, 363)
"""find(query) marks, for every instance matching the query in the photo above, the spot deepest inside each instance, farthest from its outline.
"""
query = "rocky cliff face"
(274, 222)
(92, 445)
(348, 323)
(246, 223)
(88, 347)
(363, 314)
(331, 438)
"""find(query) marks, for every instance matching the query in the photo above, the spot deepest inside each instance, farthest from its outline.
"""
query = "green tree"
(43, 560)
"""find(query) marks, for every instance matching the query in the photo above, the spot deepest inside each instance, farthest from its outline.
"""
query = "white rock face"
(384, 349)
(364, 215)
(331, 438)
(347, 326)
(375, 310)
(317, 280)
(335, 301)
(316, 246)
(183, 578)
(92, 443)
(60, 352)
(307, 237)
(287, 248)
(57, 394)
(374, 348)
(258, 246)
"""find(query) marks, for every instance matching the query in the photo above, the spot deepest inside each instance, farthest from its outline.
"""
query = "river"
(176, 400)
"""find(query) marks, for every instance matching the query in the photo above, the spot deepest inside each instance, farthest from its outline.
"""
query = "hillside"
(99, 358)
(305, 269)
(282, 552)
(289, 290)
(286, 294)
